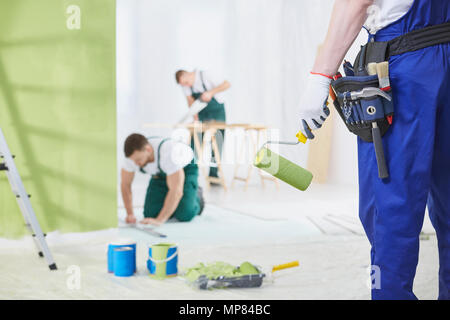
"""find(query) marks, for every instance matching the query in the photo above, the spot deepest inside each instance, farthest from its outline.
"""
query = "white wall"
(265, 48)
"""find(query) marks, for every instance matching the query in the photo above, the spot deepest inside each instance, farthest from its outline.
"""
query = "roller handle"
(285, 266)
(379, 153)
(301, 137)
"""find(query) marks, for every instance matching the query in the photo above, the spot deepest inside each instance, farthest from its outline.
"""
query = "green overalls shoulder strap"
(161, 173)
(157, 190)
(141, 169)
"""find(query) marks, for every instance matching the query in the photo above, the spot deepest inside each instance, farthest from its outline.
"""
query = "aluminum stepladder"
(7, 164)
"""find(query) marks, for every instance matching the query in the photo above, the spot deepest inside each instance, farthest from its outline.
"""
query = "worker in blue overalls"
(417, 146)
(207, 88)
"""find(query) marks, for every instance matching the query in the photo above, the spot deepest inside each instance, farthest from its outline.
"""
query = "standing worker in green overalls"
(173, 190)
(202, 85)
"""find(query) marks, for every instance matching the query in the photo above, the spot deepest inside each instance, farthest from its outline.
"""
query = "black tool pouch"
(359, 114)
(357, 77)
(369, 114)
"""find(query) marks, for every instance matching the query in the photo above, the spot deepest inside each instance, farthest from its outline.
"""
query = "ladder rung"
(34, 235)
(18, 189)
(18, 195)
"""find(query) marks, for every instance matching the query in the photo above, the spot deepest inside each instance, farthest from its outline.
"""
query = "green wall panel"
(58, 113)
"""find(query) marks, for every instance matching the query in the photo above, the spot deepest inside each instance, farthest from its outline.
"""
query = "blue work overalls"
(417, 150)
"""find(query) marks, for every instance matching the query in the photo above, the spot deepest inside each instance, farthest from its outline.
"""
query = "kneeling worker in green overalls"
(173, 190)
(207, 88)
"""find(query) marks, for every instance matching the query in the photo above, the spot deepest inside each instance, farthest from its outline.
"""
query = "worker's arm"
(125, 187)
(190, 101)
(175, 184)
(347, 19)
(208, 95)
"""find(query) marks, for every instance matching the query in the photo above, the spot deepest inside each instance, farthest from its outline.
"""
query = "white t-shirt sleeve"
(174, 156)
(187, 91)
(385, 12)
(129, 165)
(212, 80)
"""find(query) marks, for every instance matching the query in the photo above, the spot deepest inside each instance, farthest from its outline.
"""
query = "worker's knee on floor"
(186, 218)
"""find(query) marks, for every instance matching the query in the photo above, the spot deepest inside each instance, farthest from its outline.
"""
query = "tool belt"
(415, 40)
(360, 102)
(364, 96)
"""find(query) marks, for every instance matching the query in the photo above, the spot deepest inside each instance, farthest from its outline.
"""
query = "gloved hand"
(313, 109)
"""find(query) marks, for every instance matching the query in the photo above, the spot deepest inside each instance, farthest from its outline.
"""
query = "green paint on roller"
(247, 268)
(218, 269)
(283, 169)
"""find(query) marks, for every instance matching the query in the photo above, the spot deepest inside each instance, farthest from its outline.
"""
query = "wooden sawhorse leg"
(217, 157)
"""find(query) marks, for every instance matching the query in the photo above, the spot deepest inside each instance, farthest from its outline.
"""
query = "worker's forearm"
(224, 86)
(346, 22)
(171, 203)
(127, 197)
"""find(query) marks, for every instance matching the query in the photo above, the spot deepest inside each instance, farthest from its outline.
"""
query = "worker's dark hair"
(178, 75)
(134, 142)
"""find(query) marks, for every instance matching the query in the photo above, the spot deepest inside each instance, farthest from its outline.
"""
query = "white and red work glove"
(313, 109)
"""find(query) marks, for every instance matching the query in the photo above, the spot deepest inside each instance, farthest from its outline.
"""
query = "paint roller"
(282, 168)
(223, 275)
(195, 108)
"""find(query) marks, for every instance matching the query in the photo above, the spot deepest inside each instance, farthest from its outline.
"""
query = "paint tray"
(246, 281)
(223, 275)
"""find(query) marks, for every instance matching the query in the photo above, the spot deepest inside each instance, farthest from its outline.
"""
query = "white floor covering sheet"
(331, 266)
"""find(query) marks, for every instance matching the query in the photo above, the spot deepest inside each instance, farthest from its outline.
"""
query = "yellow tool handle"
(285, 266)
(301, 137)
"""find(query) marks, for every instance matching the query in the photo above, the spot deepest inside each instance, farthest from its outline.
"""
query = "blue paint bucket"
(119, 244)
(162, 260)
(124, 263)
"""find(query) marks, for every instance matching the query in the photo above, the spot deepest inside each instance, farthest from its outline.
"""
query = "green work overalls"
(213, 111)
(189, 205)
